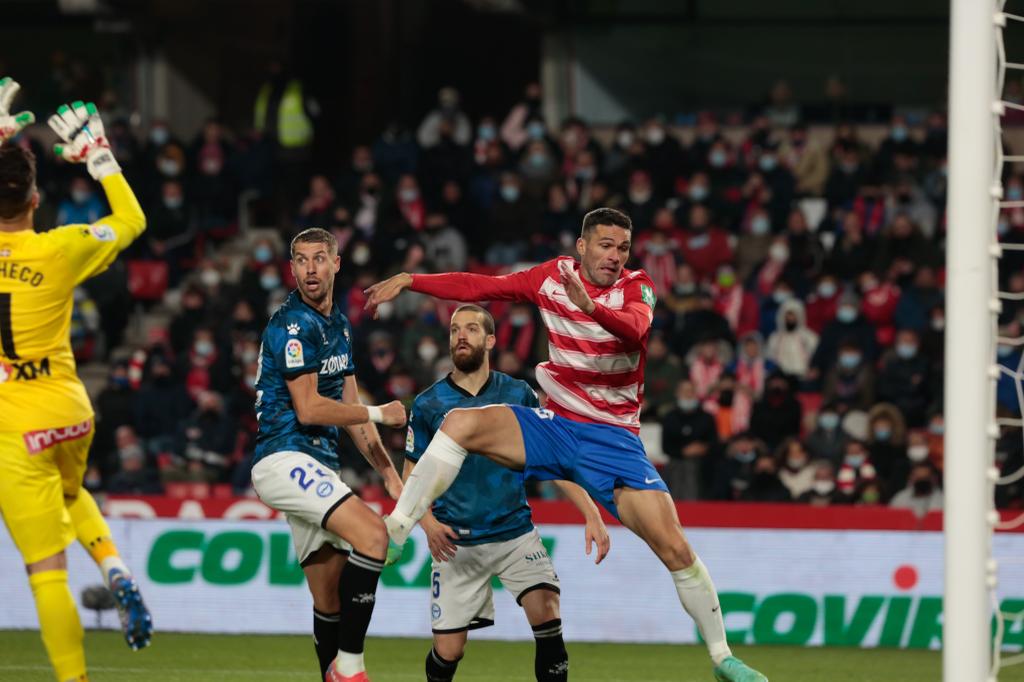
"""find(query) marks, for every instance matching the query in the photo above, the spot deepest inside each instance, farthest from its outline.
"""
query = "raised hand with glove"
(83, 139)
(11, 124)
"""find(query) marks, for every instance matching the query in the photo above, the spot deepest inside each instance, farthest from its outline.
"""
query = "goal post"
(970, 343)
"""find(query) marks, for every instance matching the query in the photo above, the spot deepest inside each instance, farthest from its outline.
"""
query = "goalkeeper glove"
(84, 140)
(11, 125)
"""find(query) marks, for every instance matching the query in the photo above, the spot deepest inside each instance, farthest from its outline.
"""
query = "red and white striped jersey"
(595, 370)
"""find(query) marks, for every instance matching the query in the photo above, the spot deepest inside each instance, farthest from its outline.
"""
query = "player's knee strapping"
(59, 625)
(92, 531)
(358, 591)
(434, 474)
(551, 663)
(440, 669)
(325, 638)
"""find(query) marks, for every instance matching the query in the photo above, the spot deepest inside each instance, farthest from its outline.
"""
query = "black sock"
(552, 661)
(358, 590)
(438, 669)
(325, 638)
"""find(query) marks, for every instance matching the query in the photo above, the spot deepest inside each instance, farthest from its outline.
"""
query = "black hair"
(605, 216)
(17, 181)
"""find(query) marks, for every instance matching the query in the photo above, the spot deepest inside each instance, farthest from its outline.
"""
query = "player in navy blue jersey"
(305, 393)
(481, 527)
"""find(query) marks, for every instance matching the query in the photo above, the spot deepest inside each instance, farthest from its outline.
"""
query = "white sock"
(700, 599)
(349, 664)
(112, 563)
(434, 474)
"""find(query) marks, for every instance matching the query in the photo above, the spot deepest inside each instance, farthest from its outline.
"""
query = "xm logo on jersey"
(24, 371)
(38, 441)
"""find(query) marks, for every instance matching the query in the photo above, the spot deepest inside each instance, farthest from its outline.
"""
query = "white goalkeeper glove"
(80, 127)
(11, 124)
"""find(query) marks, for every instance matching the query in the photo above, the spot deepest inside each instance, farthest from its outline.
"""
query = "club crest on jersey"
(293, 329)
(647, 294)
(103, 232)
(293, 354)
(5, 251)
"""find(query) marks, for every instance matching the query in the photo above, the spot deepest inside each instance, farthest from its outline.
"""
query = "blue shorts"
(597, 457)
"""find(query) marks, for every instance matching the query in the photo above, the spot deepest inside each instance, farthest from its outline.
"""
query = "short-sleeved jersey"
(39, 385)
(487, 502)
(299, 340)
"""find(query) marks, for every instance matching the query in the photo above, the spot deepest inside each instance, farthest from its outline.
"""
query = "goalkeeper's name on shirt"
(19, 272)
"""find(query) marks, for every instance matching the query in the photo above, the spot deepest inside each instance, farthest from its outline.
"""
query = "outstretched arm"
(629, 324)
(456, 286)
(367, 440)
(595, 529)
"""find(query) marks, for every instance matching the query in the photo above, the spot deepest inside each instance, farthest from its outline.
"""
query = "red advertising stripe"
(691, 514)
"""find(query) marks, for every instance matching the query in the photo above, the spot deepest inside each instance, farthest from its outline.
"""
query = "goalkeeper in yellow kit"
(46, 420)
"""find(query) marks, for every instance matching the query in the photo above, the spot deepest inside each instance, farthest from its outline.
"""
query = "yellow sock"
(92, 530)
(59, 624)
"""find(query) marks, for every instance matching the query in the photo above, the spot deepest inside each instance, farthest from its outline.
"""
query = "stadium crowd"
(797, 344)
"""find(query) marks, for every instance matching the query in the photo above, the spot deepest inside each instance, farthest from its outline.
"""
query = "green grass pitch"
(198, 658)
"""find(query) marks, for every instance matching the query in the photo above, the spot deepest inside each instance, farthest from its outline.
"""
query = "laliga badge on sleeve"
(293, 354)
(102, 232)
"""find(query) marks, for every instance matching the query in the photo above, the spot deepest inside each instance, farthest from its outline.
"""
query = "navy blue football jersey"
(299, 340)
(487, 502)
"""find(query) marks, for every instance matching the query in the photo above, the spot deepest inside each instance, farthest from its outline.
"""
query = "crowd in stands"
(797, 345)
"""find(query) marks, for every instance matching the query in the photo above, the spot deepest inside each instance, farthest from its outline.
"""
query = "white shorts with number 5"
(307, 492)
(460, 590)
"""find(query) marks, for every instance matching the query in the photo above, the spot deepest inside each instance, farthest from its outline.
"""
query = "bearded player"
(46, 419)
(474, 537)
(598, 317)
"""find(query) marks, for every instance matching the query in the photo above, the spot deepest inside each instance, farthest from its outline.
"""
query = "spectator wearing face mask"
(847, 175)
(827, 440)
(82, 206)
(751, 368)
(706, 364)
(641, 201)
(823, 303)
(263, 274)
(730, 404)
(904, 379)
(777, 415)
(823, 486)
(754, 243)
(919, 300)
(205, 365)
(765, 485)
(517, 332)
(734, 303)
(778, 180)
(736, 467)
(444, 247)
(897, 142)
(851, 381)
(796, 472)
(451, 158)
(855, 471)
(689, 439)
(807, 160)
(206, 440)
(318, 207)
(791, 346)
(922, 493)
(706, 248)
(848, 325)
(887, 445)
(115, 407)
(770, 272)
(619, 160)
(511, 217)
(170, 235)
(161, 405)
(698, 321)
(212, 187)
(902, 243)
(134, 476)
(853, 251)
(448, 112)
(663, 155)
(879, 301)
(515, 130)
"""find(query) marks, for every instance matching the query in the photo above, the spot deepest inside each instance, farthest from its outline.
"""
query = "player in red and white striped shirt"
(598, 317)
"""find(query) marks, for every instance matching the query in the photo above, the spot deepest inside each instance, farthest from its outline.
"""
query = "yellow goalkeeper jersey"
(39, 385)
